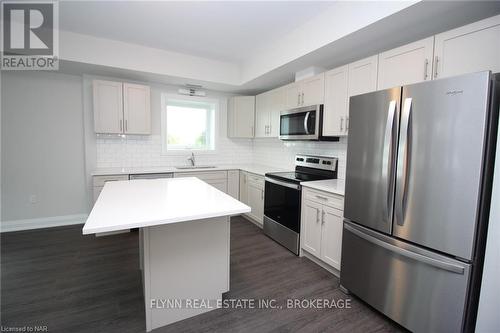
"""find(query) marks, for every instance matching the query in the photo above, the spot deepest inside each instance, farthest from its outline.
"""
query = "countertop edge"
(183, 219)
(321, 187)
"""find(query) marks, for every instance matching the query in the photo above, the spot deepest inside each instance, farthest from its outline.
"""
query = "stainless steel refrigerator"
(418, 184)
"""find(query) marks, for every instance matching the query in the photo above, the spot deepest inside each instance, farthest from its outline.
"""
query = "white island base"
(184, 240)
(184, 262)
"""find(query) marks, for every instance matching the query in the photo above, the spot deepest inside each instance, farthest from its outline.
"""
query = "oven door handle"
(286, 184)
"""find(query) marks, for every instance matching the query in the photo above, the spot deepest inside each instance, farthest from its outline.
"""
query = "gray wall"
(42, 145)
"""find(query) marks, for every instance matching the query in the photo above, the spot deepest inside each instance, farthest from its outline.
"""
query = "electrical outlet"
(33, 199)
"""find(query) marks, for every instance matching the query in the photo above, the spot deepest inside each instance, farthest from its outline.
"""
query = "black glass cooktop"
(296, 177)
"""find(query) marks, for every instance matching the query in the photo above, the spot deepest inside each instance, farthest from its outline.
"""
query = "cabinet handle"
(262, 194)
(426, 65)
(321, 197)
(341, 123)
(436, 60)
(126, 125)
(302, 99)
(298, 99)
(322, 217)
(121, 125)
(317, 215)
(346, 124)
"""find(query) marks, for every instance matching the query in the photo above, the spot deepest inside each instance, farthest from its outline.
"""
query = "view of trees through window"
(189, 125)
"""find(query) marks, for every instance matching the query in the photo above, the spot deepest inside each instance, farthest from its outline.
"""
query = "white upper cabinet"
(121, 108)
(108, 107)
(136, 109)
(313, 90)
(335, 108)
(268, 106)
(292, 92)
(406, 64)
(241, 117)
(262, 105)
(363, 76)
(471, 48)
(306, 92)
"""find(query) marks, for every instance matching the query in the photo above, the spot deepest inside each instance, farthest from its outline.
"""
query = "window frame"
(182, 152)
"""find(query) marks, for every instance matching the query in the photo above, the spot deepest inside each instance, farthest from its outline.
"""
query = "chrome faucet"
(191, 159)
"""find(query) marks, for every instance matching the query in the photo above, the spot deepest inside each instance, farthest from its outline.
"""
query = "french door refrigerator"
(418, 183)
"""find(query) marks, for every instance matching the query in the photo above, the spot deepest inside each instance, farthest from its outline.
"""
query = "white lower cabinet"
(321, 226)
(244, 187)
(331, 236)
(252, 194)
(217, 179)
(99, 181)
(233, 183)
(311, 233)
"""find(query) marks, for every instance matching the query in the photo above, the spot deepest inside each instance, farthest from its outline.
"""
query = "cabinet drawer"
(258, 180)
(100, 180)
(203, 175)
(332, 200)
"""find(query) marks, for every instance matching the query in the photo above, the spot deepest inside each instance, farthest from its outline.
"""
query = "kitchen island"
(184, 241)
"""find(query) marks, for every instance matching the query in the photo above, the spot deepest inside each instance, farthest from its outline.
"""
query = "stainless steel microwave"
(304, 123)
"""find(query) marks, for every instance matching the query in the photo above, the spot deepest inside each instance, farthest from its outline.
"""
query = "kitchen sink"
(184, 167)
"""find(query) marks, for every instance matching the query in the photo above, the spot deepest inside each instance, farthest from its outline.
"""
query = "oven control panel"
(317, 162)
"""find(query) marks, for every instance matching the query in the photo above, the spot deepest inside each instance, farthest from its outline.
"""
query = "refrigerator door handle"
(403, 161)
(407, 253)
(387, 159)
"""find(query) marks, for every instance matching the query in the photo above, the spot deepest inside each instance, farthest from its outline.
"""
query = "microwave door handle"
(306, 122)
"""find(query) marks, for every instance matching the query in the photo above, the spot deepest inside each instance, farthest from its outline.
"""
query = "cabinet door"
(471, 48)
(363, 76)
(293, 98)
(407, 64)
(331, 236)
(218, 184)
(262, 115)
(277, 104)
(136, 109)
(108, 107)
(311, 222)
(241, 116)
(233, 183)
(256, 201)
(313, 90)
(335, 109)
(243, 187)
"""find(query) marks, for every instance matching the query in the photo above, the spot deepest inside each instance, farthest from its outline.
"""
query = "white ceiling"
(228, 31)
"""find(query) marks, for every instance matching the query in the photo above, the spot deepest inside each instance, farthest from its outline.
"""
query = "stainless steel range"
(282, 199)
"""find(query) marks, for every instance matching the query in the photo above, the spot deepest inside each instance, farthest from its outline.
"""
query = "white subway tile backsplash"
(145, 151)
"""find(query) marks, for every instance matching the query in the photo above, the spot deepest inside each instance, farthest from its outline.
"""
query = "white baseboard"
(44, 222)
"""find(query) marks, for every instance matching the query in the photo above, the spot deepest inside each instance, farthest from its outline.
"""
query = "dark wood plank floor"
(73, 283)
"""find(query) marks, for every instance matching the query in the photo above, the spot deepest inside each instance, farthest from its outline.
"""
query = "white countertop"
(335, 186)
(252, 168)
(148, 202)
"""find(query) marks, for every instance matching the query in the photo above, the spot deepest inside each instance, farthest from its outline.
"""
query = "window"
(188, 125)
